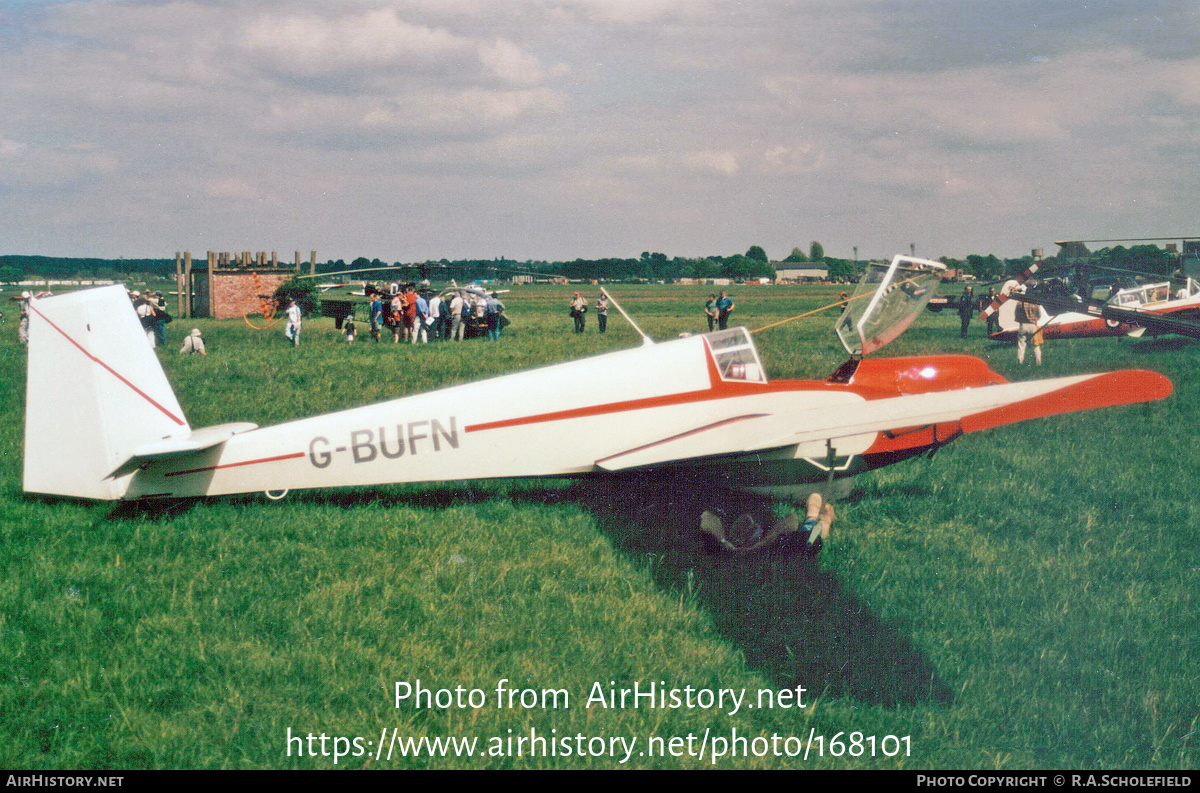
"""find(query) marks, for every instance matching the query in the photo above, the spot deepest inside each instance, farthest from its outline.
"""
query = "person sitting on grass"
(193, 343)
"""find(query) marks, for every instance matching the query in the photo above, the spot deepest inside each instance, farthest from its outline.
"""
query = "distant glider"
(103, 423)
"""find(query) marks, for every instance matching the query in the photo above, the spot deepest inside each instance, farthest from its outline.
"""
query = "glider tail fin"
(94, 392)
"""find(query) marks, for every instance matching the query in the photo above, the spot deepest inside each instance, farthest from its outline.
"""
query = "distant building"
(799, 272)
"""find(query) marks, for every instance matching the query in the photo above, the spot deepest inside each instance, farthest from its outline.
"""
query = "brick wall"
(235, 294)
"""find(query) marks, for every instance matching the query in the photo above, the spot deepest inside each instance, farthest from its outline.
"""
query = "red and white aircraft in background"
(103, 423)
(1127, 312)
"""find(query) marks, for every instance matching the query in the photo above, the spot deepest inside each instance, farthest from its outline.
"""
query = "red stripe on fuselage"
(110, 370)
(235, 465)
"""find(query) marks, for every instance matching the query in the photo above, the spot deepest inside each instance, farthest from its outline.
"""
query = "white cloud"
(52, 166)
(715, 163)
(312, 44)
(230, 187)
(798, 158)
(632, 12)
(510, 63)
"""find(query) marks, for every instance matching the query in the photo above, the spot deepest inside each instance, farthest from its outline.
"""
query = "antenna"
(645, 339)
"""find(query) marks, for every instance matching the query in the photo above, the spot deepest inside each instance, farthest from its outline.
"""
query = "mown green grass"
(1027, 598)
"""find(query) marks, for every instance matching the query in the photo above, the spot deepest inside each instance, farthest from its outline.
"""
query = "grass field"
(1027, 598)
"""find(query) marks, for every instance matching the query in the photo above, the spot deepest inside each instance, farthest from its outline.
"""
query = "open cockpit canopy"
(885, 302)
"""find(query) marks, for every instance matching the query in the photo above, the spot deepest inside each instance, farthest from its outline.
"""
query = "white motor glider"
(103, 423)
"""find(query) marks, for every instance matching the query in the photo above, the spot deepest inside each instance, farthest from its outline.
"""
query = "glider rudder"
(94, 392)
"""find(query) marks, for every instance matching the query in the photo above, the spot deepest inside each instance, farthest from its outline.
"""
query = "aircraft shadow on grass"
(794, 622)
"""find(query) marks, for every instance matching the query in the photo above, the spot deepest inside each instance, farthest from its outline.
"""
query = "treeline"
(650, 266)
(18, 267)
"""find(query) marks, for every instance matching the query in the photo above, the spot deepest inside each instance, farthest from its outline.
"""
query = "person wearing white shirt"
(293, 326)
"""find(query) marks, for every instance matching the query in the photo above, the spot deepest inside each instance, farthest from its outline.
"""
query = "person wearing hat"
(193, 343)
(145, 313)
(23, 322)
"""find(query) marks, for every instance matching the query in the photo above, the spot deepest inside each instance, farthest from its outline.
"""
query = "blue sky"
(555, 129)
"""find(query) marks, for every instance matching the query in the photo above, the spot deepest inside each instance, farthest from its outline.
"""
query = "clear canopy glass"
(885, 302)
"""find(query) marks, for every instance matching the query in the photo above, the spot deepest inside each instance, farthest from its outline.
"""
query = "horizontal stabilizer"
(199, 440)
(976, 408)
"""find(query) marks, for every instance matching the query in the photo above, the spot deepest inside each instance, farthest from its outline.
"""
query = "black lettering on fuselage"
(365, 446)
(322, 459)
(414, 437)
(399, 443)
(363, 450)
(451, 437)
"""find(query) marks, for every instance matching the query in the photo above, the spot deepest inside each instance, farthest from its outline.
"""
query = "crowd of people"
(415, 315)
(152, 313)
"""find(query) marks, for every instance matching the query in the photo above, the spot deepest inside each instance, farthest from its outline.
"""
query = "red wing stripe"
(235, 465)
(1104, 390)
(110, 370)
(696, 431)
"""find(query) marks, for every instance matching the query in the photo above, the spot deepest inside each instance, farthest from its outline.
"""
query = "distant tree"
(1073, 250)
(985, 268)
(1021, 264)
(10, 275)
(737, 267)
(816, 251)
(1142, 258)
(843, 270)
(757, 254)
(762, 270)
(796, 255)
(303, 290)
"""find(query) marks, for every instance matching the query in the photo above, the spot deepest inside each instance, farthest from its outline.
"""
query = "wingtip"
(1109, 389)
